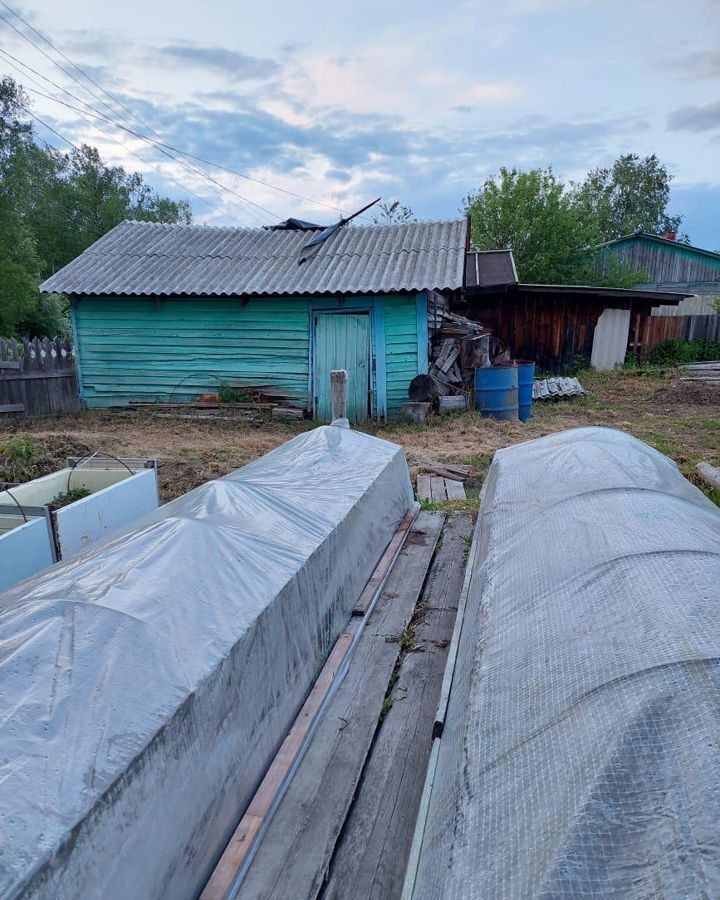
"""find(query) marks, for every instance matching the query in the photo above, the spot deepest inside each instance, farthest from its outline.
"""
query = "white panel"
(610, 339)
(100, 515)
(24, 551)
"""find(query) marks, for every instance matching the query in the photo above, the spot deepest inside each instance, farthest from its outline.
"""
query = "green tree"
(391, 212)
(53, 205)
(631, 195)
(533, 214)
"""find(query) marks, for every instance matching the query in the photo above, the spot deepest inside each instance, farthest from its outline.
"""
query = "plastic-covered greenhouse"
(147, 683)
(581, 750)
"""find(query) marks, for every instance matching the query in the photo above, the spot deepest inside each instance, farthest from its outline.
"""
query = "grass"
(678, 418)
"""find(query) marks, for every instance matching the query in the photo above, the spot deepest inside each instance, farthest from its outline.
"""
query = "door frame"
(374, 307)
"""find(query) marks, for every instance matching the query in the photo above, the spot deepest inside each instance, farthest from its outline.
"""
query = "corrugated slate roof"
(490, 268)
(149, 259)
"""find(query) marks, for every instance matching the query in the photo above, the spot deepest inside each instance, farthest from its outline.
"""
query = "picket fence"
(37, 377)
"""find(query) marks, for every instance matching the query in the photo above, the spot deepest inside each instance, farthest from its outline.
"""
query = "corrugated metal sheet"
(149, 259)
(555, 388)
(610, 339)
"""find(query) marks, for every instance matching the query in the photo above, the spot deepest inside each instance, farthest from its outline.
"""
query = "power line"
(18, 63)
(195, 170)
(149, 127)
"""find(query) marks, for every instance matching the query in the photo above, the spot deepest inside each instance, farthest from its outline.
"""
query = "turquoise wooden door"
(342, 341)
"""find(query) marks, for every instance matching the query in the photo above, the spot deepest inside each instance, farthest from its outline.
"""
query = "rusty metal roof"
(149, 259)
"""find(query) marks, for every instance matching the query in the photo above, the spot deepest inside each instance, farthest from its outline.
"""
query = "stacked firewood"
(459, 347)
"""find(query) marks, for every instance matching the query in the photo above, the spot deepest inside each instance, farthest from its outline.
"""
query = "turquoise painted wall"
(176, 348)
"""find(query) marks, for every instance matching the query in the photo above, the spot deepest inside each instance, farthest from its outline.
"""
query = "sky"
(332, 104)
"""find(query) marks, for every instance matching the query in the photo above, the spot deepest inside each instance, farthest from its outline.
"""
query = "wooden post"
(338, 393)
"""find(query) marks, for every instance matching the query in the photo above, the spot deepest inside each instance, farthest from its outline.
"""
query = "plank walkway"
(370, 859)
(295, 854)
(434, 488)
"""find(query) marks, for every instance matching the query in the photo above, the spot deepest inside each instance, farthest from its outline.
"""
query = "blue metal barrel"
(496, 392)
(526, 377)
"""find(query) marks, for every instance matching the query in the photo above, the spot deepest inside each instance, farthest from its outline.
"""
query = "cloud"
(339, 175)
(695, 118)
(463, 108)
(696, 66)
(236, 65)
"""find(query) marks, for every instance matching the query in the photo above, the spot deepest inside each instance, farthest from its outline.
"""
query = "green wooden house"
(170, 312)
(669, 265)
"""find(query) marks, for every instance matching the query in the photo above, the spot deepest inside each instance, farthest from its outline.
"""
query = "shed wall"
(135, 349)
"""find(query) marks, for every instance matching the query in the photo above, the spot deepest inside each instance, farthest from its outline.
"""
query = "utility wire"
(273, 215)
(16, 64)
(149, 127)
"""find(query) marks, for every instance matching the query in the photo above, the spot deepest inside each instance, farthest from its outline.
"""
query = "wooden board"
(293, 858)
(232, 859)
(371, 855)
(424, 491)
(437, 486)
(383, 567)
(455, 490)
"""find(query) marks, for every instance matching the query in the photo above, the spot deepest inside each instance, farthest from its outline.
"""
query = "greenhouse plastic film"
(581, 750)
(147, 684)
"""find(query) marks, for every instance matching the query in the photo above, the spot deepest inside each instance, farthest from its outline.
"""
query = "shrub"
(579, 364)
(678, 351)
(18, 459)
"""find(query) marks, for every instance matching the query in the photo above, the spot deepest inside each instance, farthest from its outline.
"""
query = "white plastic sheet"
(580, 751)
(147, 683)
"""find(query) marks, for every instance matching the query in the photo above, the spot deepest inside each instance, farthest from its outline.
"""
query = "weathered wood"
(232, 859)
(437, 486)
(371, 855)
(12, 407)
(454, 489)
(282, 412)
(294, 856)
(424, 491)
(39, 375)
(338, 393)
(383, 567)
(709, 474)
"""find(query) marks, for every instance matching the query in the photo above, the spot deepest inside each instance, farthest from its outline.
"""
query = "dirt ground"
(681, 419)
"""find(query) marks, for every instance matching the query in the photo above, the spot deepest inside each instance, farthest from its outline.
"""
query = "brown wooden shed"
(552, 324)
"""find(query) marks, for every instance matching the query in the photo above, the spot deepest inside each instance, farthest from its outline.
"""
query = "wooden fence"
(37, 377)
(689, 328)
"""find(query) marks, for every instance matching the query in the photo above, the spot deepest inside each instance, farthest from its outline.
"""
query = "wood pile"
(709, 372)
(460, 346)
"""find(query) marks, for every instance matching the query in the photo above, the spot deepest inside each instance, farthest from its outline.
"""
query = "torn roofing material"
(149, 259)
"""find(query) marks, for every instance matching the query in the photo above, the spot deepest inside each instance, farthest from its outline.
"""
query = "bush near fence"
(658, 329)
(37, 377)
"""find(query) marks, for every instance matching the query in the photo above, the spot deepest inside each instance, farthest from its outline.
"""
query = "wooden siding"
(140, 349)
(401, 348)
(176, 348)
(549, 329)
(664, 263)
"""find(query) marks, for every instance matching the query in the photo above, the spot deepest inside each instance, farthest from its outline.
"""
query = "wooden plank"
(232, 859)
(437, 486)
(12, 407)
(383, 567)
(9, 363)
(371, 856)
(294, 856)
(424, 491)
(455, 490)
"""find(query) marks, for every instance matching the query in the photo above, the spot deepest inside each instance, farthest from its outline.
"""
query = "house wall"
(135, 349)
(664, 263)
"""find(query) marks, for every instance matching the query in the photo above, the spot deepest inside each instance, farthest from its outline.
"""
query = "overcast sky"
(414, 99)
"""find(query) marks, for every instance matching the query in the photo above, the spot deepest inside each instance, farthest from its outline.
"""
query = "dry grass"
(681, 419)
